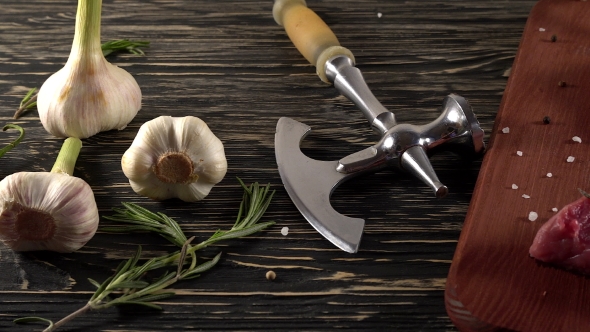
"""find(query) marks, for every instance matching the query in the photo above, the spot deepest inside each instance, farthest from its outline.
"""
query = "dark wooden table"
(228, 63)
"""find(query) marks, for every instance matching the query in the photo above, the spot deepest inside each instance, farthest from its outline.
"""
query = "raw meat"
(564, 240)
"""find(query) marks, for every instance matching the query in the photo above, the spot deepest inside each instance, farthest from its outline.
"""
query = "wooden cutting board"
(493, 283)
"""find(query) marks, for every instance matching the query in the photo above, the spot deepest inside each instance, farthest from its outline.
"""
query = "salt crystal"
(519, 153)
(541, 29)
(533, 216)
(285, 231)
(577, 139)
(505, 130)
(570, 159)
(554, 210)
(514, 186)
(379, 15)
(549, 175)
(525, 196)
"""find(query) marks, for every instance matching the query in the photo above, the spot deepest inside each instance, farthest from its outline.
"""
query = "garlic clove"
(46, 211)
(173, 157)
(88, 95)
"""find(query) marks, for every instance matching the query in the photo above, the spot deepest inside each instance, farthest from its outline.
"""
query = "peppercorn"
(270, 275)
(546, 120)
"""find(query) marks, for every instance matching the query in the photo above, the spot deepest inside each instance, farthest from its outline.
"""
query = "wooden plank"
(493, 282)
(227, 62)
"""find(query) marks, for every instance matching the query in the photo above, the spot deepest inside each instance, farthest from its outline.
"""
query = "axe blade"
(310, 184)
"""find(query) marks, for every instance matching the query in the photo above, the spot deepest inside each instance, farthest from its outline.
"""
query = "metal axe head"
(310, 182)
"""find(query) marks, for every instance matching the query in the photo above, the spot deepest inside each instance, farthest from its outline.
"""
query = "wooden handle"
(309, 33)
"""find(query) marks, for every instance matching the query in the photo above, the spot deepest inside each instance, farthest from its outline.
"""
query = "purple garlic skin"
(46, 211)
(88, 95)
(72, 103)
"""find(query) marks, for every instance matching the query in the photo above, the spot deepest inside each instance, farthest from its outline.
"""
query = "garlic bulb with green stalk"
(88, 95)
(48, 210)
(174, 157)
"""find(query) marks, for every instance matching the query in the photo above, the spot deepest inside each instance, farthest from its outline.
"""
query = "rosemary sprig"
(128, 285)
(113, 46)
(124, 45)
(138, 219)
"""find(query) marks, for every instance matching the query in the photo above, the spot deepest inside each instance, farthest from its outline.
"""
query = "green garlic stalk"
(88, 95)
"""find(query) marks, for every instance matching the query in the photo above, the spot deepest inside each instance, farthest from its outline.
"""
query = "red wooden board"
(493, 283)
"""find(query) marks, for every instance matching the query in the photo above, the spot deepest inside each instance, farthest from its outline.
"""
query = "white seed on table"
(285, 231)
(525, 196)
(549, 175)
(514, 186)
(519, 153)
(577, 139)
(570, 159)
(554, 210)
(505, 130)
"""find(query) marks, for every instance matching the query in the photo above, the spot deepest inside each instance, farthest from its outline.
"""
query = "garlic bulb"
(88, 95)
(48, 210)
(174, 158)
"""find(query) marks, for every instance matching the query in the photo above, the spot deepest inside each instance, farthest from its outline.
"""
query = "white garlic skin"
(69, 200)
(189, 135)
(87, 96)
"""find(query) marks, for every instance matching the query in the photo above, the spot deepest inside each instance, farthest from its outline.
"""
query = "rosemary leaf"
(94, 283)
(155, 297)
(124, 45)
(137, 210)
(129, 284)
(203, 267)
(130, 263)
(145, 220)
(140, 270)
(128, 229)
(145, 304)
(243, 185)
(28, 97)
(158, 284)
(101, 288)
(175, 228)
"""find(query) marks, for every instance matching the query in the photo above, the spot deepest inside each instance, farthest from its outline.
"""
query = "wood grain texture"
(493, 282)
(228, 63)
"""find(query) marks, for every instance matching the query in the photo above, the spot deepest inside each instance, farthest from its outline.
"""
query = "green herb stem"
(68, 318)
(29, 101)
(14, 143)
(68, 154)
(87, 31)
